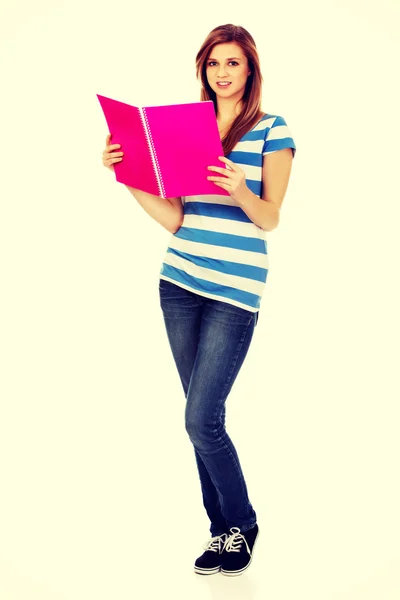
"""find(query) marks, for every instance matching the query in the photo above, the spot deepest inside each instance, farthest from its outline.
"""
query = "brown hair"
(251, 112)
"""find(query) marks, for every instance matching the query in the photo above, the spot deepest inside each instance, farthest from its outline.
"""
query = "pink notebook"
(166, 148)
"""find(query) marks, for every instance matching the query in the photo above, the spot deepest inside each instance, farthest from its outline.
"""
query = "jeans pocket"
(176, 298)
(166, 288)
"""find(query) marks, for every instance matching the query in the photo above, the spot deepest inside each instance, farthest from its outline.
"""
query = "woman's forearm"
(166, 211)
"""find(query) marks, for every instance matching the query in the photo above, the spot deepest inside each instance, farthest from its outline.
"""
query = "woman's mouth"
(223, 83)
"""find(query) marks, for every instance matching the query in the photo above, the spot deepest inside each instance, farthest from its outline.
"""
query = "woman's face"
(227, 63)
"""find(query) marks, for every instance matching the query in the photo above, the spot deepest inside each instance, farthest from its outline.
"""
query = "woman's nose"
(222, 72)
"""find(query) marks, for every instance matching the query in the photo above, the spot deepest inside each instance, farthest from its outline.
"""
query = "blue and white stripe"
(219, 252)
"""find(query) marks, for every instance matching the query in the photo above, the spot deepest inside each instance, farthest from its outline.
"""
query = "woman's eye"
(211, 63)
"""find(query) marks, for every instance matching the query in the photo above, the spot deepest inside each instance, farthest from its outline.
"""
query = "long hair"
(251, 101)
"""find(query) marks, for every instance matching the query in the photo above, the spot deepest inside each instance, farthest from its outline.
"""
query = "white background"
(100, 497)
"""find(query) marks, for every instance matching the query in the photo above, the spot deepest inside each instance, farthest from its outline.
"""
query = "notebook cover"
(125, 124)
(186, 140)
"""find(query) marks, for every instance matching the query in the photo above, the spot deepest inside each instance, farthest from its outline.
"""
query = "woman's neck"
(228, 111)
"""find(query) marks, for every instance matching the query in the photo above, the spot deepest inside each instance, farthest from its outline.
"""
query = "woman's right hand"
(110, 156)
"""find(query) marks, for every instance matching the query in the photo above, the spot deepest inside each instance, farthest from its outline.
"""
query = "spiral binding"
(153, 153)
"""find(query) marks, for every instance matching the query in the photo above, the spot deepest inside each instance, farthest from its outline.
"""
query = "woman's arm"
(276, 170)
(166, 211)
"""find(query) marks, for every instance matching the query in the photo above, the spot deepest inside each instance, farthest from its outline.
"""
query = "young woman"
(213, 277)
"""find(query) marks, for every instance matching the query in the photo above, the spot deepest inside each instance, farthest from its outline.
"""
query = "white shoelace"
(215, 543)
(235, 541)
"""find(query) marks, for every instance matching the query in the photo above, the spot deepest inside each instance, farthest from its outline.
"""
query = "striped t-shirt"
(218, 252)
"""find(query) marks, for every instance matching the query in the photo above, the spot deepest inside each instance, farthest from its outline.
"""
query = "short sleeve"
(278, 136)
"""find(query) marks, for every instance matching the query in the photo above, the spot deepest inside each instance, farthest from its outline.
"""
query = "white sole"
(200, 571)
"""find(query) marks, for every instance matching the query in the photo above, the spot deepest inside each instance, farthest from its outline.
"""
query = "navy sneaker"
(238, 551)
(210, 561)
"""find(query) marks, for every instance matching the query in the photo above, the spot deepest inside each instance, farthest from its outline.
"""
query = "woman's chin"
(223, 91)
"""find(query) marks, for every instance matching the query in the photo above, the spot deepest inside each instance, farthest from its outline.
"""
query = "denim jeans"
(209, 340)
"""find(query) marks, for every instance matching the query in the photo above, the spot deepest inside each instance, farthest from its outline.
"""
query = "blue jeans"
(209, 340)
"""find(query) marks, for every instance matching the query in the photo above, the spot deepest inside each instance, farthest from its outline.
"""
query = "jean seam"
(220, 439)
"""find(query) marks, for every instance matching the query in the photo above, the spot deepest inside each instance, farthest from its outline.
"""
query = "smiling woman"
(213, 278)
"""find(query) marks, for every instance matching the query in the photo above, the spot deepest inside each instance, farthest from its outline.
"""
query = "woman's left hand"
(234, 180)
